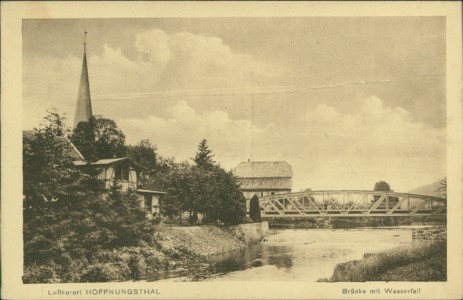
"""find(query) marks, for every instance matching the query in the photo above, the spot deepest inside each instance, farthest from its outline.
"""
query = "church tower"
(84, 102)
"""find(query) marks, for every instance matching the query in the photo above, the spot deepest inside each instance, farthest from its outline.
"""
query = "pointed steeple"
(84, 102)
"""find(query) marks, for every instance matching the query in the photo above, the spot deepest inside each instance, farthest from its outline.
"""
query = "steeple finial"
(85, 41)
(84, 102)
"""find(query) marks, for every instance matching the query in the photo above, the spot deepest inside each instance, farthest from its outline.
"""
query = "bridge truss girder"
(347, 203)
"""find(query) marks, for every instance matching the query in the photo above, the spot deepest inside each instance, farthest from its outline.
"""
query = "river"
(296, 255)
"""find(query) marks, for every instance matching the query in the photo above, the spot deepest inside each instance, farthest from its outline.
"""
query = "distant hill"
(427, 190)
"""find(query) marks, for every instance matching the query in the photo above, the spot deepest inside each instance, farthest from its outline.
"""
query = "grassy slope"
(197, 240)
(427, 263)
(176, 248)
(433, 269)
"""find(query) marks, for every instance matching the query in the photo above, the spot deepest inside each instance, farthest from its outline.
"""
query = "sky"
(346, 101)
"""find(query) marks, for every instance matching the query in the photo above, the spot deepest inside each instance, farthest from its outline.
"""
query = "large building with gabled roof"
(264, 178)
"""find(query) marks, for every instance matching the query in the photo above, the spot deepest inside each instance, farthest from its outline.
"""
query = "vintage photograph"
(231, 150)
(296, 149)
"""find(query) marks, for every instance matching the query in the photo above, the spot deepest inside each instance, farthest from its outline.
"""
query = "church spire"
(84, 102)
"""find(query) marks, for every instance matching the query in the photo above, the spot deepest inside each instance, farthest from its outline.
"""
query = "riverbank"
(351, 222)
(424, 263)
(176, 249)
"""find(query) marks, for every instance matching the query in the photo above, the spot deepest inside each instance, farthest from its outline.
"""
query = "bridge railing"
(351, 203)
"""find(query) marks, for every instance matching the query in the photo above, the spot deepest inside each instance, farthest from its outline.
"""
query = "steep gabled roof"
(262, 169)
(84, 101)
(108, 161)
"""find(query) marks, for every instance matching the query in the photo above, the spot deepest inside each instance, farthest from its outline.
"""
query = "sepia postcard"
(231, 150)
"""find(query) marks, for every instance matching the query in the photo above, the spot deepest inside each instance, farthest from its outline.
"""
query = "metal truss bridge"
(351, 203)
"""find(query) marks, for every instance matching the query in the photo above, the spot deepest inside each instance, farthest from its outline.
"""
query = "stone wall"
(251, 233)
(433, 233)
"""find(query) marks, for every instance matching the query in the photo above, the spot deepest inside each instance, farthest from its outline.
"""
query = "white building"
(263, 178)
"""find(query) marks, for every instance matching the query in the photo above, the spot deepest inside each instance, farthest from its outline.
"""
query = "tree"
(83, 137)
(99, 138)
(145, 154)
(68, 219)
(254, 209)
(174, 179)
(53, 188)
(231, 202)
(212, 192)
(55, 122)
(442, 186)
(382, 186)
(204, 155)
(203, 188)
(60, 238)
(49, 174)
(216, 194)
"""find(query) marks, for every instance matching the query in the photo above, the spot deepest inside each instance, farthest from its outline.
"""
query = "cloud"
(178, 133)
(376, 142)
(327, 146)
(330, 149)
(378, 129)
(177, 61)
(335, 150)
(154, 48)
(162, 61)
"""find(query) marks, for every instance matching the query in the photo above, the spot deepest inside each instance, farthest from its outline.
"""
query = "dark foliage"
(254, 209)
(75, 231)
(68, 218)
(99, 138)
(382, 186)
(49, 174)
(212, 192)
(204, 188)
(204, 155)
(145, 154)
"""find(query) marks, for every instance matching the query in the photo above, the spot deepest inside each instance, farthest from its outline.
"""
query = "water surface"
(296, 255)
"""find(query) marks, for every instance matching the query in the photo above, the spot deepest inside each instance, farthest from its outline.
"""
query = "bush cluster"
(77, 231)
(204, 188)
(122, 264)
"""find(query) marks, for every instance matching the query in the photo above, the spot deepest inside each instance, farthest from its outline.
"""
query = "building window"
(272, 193)
(121, 172)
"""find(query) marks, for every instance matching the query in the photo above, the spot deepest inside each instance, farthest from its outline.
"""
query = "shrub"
(36, 273)
(103, 272)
